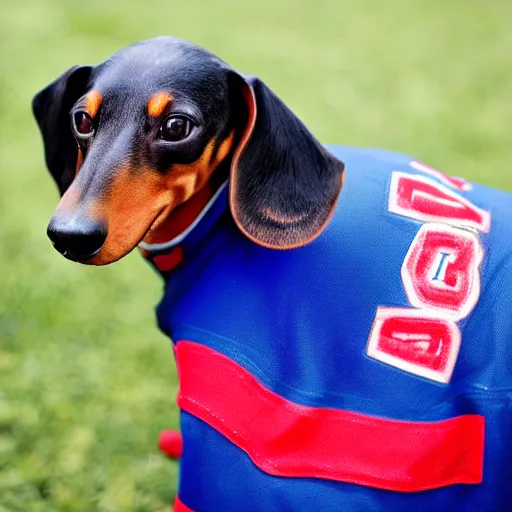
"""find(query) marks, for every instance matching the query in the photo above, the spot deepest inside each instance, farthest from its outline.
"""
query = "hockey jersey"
(370, 370)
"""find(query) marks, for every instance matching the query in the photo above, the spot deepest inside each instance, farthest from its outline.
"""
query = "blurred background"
(86, 380)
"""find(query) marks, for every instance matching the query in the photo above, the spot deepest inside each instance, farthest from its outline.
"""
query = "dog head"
(131, 140)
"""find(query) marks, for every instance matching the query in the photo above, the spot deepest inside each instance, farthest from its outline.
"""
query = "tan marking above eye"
(158, 103)
(93, 101)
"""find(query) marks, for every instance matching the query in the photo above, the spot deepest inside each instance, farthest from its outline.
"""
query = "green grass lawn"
(86, 380)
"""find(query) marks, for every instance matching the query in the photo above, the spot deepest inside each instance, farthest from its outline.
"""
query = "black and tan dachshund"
(333, 355)
(134, 139)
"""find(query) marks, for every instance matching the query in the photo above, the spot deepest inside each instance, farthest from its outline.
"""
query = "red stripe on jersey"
(290, 440)
(179, 506)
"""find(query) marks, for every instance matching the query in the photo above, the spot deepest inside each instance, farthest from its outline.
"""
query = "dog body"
(277, 350)
(333, 355)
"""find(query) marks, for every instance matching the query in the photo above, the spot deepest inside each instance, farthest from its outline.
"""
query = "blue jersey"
(370, 370)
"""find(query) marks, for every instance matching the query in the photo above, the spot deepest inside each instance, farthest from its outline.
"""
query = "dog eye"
(176, 128)
(83, 124)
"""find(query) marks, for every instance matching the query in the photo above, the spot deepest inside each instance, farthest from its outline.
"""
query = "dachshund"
(339, 315)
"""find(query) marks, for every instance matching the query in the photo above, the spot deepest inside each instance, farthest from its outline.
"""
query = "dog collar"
(166, 256)
(165, 246)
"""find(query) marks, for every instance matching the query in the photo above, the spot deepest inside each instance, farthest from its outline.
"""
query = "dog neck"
(182, 219)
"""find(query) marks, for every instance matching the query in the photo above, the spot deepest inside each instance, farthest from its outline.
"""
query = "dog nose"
(77, 239)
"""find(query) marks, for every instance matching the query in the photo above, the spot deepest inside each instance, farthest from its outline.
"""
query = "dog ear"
(284, 184)
(51, 108)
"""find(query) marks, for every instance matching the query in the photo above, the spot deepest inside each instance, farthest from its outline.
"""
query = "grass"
(86, 380)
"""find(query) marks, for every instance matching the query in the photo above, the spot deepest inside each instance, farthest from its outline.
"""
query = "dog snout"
(77, 239)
